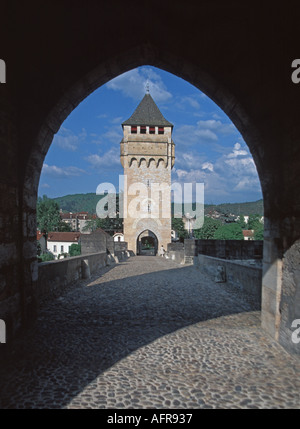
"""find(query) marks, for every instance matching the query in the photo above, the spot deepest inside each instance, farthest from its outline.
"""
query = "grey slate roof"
(147, 113)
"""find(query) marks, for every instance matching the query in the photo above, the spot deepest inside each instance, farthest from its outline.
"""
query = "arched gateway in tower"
(147, 155)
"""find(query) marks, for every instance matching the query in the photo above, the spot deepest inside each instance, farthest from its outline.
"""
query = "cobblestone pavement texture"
(147, 333)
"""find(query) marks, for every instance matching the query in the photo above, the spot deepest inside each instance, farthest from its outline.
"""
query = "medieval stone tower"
(147, 155)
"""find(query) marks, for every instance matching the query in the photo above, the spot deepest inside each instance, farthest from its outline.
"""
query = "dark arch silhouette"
(239, 55)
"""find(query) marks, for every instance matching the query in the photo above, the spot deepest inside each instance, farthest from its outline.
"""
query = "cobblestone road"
(147, 333)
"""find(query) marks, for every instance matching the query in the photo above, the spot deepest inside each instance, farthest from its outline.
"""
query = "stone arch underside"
(234, 71)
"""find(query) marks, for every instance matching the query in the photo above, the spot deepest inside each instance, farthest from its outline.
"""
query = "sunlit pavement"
(148, 333)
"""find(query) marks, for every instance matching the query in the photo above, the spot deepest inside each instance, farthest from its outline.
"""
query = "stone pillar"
(272, 280)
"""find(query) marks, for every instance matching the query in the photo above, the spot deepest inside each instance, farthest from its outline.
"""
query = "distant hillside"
(254, 207)
(88, 202)
(79, 202)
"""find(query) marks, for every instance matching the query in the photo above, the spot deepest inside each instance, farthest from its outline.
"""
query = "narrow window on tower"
(151, 130)
(143, 130)
(160, 130)
(133, 130)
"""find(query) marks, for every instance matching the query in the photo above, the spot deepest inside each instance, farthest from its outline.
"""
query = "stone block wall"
(247, 278)
(176, 252)
(55, 276)
(290, 301)
(120, 246)
(226, 249)
(97, 241)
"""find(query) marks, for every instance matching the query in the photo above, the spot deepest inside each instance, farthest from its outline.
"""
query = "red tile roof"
(39, 235)
(64, 236)
(248, 232)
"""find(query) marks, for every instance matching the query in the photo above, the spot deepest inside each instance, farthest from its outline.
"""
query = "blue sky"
(208, 147)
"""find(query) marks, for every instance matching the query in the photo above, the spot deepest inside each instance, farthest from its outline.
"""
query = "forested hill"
(88, 202)
(248, 208)
(78, 202)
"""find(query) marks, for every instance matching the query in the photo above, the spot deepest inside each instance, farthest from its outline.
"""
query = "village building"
(59, 243)
(77, 221)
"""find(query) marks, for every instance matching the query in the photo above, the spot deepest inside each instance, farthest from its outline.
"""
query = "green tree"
(253, 221)
(259, 231)
(210, 226)
(178, 226)
(230, 231)
(47, 256)
(64, 227)
(257, 225)
(75, 249)
(48, 217)
(242, 222)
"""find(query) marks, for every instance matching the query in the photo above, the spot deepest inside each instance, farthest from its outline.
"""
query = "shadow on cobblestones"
(101, 322)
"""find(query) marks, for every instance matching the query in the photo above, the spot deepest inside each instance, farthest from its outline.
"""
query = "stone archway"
(50, 72)
(147, 243)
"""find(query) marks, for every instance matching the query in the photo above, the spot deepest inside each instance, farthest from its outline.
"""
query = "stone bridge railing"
(55, 276)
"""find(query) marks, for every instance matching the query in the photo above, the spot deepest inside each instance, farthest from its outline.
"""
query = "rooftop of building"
(147, 113)
(64, 236)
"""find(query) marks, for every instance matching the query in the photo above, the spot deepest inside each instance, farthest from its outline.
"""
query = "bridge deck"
(148, 333)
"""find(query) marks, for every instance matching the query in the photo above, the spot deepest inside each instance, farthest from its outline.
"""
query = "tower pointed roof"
(147, 113)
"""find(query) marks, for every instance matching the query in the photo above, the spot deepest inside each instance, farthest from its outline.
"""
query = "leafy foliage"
(254, 222)
(75, 249)
(79, 202)
(178, 226)
(210, 226)
(47, 256)
(230, 231)
(48, 216)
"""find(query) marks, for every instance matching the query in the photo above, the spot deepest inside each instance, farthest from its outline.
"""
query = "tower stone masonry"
(148, 156)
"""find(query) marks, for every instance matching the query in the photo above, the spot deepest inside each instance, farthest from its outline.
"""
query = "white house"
(60, 242)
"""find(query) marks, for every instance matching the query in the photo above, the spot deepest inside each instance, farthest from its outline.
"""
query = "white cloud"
(217, 126)
(188, 160)
(189, 101)
(237, 151)
(207, 166)
(107, 160)
(113, 134)
(61, 172)
(231, 175)
(133, 84)
(65, 139)
(205, 131)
